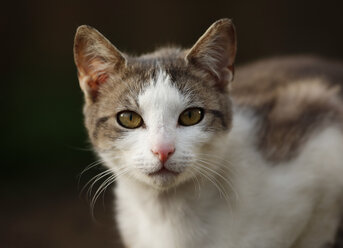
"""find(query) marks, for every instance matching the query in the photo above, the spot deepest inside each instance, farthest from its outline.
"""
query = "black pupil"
(189, 114)
(131, 116)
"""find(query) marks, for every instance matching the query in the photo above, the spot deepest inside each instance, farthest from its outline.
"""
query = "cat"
(205, 157)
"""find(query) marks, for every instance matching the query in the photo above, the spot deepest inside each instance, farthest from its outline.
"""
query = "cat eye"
(191, 116)
(129, 119)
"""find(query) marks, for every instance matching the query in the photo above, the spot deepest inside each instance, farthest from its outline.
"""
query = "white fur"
(160, 106)
(289, 205)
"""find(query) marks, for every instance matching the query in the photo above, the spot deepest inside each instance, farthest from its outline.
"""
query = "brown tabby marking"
(291, 97)
(112, 81)
(291, 103)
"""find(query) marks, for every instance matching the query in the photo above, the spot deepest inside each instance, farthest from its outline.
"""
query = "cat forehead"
(161, 94)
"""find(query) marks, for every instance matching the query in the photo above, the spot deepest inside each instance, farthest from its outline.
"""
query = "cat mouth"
(163, 171)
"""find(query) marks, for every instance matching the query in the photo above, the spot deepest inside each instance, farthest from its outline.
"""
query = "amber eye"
(191, 116)
(129, 119)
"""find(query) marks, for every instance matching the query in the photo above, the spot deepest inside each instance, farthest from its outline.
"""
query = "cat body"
(201, 161)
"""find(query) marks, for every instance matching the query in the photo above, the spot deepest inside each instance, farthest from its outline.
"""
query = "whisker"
(104, 185)
(215, 172)
(88, 167)
(203, 173)
(226, 179)
(94, 180)
(219, 166)
(222, 190)
(101, 188)
(195, 179)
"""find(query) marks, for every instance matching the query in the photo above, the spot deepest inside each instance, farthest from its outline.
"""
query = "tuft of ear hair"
(95, 58)
(215, 51)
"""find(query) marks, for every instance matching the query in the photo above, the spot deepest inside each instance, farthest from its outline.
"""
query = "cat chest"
(171, 226)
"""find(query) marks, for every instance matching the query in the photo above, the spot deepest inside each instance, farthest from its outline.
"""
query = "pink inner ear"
(96, 74)
(94, 84)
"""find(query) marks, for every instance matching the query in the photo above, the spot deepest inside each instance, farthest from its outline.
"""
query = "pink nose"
(163, 152)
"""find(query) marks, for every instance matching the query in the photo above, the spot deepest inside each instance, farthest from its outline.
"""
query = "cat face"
(177, 122)
(155, 118)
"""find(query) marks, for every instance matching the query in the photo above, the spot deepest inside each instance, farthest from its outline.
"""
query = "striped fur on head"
(114, 82)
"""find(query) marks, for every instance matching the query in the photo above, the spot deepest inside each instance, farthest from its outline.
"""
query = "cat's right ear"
(95, 58)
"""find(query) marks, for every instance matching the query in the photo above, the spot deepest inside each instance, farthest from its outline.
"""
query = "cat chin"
(162, 181)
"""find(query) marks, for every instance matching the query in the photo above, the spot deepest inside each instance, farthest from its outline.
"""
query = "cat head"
(157, 118)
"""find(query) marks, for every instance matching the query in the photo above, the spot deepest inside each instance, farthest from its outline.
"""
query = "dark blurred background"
(44, 144)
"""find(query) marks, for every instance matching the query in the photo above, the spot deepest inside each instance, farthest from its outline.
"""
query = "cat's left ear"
(215, 51)
(96, 58)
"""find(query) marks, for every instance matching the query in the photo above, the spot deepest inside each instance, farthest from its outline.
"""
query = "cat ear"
(215, 51)
(95, 57)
